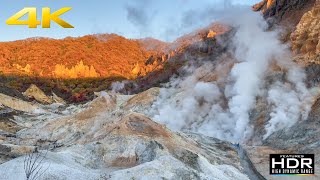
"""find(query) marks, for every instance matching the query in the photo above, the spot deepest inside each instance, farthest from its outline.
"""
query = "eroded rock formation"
(306, 38)
(33, 92)
(78, 71)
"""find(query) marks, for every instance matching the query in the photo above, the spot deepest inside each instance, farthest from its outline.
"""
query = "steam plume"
(189, 104)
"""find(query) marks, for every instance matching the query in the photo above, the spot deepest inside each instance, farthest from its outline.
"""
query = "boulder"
(33, 92)
(36, 93)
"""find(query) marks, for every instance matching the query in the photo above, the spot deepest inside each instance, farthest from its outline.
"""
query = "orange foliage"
(104, 55)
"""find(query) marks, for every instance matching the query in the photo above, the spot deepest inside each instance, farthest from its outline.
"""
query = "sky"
(161, 19)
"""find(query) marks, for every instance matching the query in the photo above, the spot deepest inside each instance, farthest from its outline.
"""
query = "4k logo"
(292, 164)
(47, 17)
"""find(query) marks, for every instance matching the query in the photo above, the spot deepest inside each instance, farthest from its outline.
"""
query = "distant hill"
(105, 55)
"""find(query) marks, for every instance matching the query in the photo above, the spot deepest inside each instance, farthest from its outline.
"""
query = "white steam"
(221, 107)
(118, 86)
(291, 101)
(255, 48)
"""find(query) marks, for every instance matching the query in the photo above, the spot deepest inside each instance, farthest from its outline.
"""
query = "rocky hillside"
(306, 37)
(77, 67)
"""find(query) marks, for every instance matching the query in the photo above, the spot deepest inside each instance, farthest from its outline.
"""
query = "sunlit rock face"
(211, 34)
(284, 13)
(299, 20)
(281, 10)
(305, 39)
(264, 5)
(26, 69)
(136, 71)
(35, 93)
(78, 71)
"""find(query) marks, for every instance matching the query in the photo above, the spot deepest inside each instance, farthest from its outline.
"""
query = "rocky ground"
(109, 138)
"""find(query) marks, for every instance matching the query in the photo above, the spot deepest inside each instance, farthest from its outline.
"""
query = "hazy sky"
(162, 19)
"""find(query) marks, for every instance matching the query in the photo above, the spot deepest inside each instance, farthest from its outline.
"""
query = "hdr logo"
(292, 164)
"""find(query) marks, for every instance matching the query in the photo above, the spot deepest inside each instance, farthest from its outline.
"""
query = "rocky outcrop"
(36, 93)
(78, 71)
(25, 70)
(306, 38)
(211, 34)
(33, 92)
(300, 21)
(136, 71)
(10, 91)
